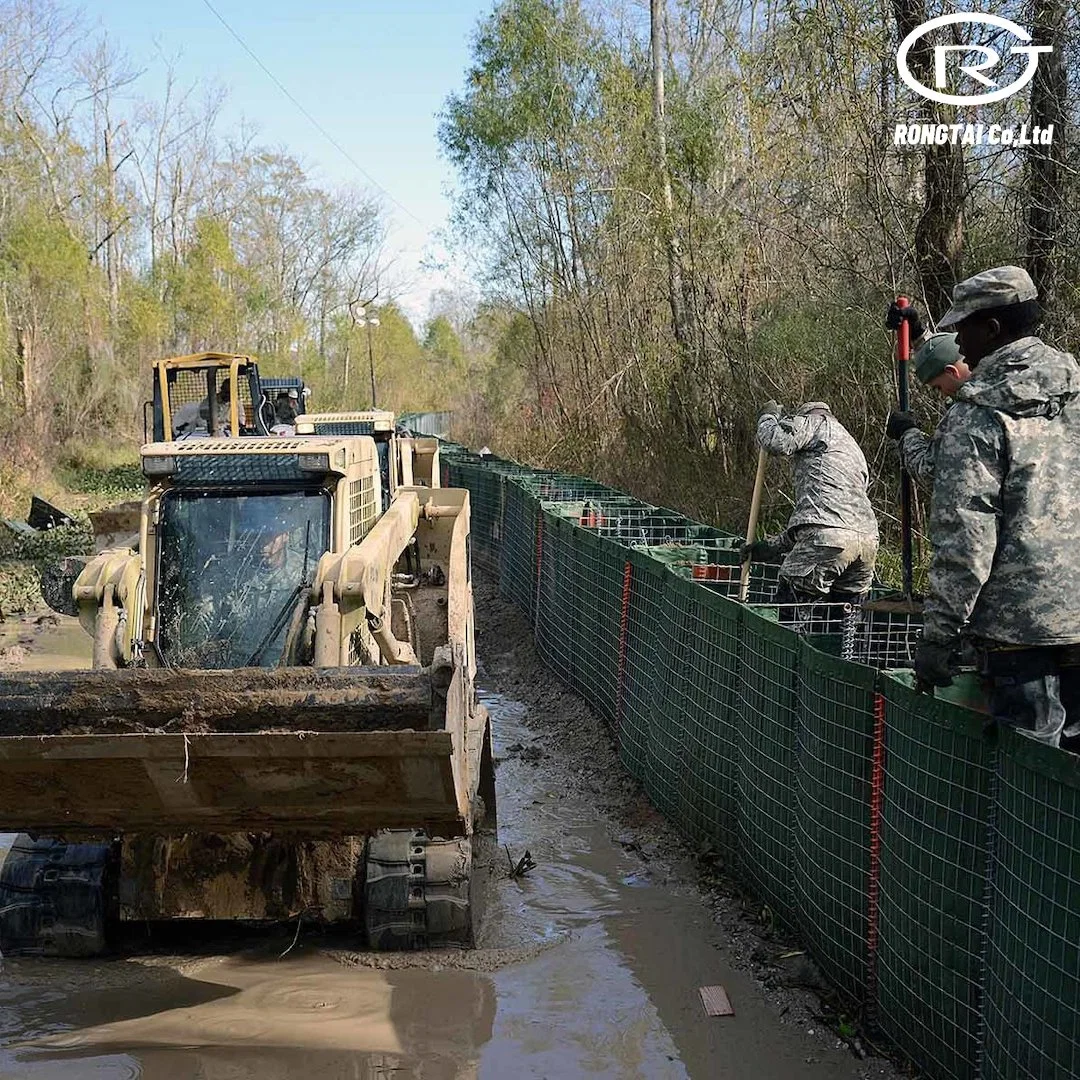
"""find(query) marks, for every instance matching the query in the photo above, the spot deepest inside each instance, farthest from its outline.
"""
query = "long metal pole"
(903, 357)
(371, 363)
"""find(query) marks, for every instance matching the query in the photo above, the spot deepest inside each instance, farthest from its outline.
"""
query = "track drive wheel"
(417, 891)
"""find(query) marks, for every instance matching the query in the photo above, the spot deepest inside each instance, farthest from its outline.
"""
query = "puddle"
(612, 992)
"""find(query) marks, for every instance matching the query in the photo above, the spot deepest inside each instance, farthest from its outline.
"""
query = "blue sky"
(373, 74)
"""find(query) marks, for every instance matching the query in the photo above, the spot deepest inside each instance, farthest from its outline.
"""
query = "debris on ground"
(716, 1001)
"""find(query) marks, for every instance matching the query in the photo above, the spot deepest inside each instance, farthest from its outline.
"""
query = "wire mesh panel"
(556, 602)
(833, 761)
(884, 634)
(598, 570)
(1032, 1020)
(769, 656)
(701, 692)
(667, 735)
(517, 558)
(639, 646)
(934, 831)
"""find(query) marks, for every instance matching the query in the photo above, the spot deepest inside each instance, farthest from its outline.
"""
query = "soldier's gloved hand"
(897, 315)
(771, 408)
(933, 665)
(758, 551)
(899, 423)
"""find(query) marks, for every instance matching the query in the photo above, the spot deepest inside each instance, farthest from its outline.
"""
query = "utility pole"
(371, 357)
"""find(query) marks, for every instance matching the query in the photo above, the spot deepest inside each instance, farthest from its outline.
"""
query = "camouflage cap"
(992, 288)
(934, 355)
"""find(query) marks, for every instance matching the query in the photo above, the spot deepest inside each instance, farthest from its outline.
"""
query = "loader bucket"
(317, 752)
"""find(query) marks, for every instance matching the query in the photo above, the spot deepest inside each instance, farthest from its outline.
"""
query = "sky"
(373, 74)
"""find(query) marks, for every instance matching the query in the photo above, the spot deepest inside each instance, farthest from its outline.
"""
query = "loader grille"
(197, 470)
(363, 509)
(345, 427)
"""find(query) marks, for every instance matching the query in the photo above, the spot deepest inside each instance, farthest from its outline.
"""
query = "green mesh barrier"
(935, 810)
(597, 572)
(701, 694)
(766, 751)
(1032, 1022)
(517, 558)
(644, 639)
(667, 736)
(833, 761)
(556, 600)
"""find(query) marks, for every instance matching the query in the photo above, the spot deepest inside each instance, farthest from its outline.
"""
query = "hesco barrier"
(930, 866)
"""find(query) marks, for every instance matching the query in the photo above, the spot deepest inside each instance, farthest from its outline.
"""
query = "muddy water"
(589, 967)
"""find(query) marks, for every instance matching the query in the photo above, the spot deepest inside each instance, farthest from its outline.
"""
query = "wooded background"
(696, 206)
(674, 211)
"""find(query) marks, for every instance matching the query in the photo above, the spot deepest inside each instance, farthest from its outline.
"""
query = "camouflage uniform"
(1005, 524)
(831, 538)
(918, 452)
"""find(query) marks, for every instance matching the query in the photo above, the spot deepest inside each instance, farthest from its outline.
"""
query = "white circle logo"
(989, 59)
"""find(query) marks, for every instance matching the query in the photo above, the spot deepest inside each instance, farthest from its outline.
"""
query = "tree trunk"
(24, 352)
(112, 227)
(939, 232)
(670, 240)
(1046, 173)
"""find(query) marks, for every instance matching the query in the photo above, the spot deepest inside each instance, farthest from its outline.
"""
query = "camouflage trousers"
(1031, 689)
(834, 563)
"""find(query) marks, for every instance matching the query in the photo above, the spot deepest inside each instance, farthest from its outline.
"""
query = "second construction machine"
(281, 718)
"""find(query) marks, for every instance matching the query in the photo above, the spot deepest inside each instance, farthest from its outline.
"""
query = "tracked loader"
(281, 718)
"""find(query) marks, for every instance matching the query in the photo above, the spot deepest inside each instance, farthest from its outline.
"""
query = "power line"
(311, 119)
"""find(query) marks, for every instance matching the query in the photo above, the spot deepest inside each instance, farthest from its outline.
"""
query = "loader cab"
(235, 532)
(378, 425)
(274, 386)
(207, 395)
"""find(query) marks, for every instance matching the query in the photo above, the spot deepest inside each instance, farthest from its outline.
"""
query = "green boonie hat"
(934, 355)
(991, 289)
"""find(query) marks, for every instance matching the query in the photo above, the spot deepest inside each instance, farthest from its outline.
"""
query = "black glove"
(934, 664)
(761, 551)
(899, 422)
(896, 315)
(771, 408)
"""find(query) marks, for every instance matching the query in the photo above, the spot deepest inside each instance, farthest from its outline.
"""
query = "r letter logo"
(986, 60)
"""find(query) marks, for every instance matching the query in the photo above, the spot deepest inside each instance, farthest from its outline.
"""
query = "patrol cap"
(294, 393)
(934, 355)
(995, 288)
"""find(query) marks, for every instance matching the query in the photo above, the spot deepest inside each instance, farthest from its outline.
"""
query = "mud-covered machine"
(280, 721)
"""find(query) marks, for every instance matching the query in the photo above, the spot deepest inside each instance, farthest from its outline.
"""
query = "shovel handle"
(751, 525)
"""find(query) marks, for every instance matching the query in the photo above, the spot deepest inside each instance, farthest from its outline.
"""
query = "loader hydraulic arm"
(109, 596)
(353, 589)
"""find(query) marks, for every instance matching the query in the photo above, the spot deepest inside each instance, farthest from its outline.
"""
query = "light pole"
(369, 321)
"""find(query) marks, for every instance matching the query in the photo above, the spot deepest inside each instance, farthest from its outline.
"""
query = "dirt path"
(589, 965)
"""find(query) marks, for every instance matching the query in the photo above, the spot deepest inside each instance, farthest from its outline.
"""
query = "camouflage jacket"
(918, 452)
(1005, 521)
(831, 477)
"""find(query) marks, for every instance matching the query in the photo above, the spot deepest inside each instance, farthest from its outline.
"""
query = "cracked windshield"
(234, 572)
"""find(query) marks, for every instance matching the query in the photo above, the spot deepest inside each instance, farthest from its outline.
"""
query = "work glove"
(771, 408)
(897, 315)
(760, 551)
(934, 664)
(899, 423)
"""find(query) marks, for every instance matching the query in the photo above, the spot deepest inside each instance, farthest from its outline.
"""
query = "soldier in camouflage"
(1005, 521)
(938, 363)
(831, 539)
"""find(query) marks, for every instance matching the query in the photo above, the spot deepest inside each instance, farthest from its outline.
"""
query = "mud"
(589, 965)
